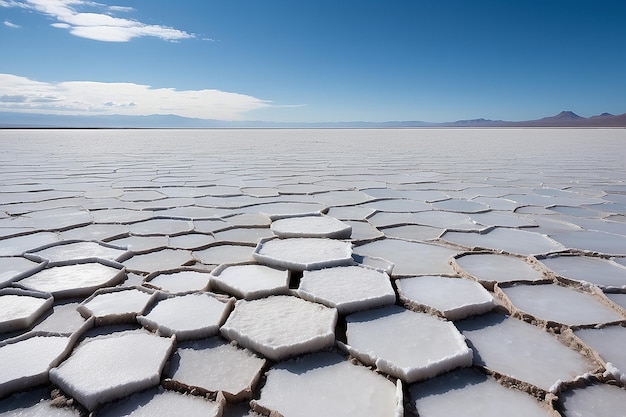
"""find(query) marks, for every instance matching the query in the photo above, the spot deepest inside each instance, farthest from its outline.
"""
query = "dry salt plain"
(313, 272)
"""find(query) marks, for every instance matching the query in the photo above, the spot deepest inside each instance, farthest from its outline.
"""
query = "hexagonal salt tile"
(213, 365)
(405, 344)
(312, 226)
(223, 254)
(137, 357)
(116, 305)
(303, 253)
(78, 280)
(347, 288)
(156, 227)
(161, 260)
(15, 246)
(191, 316)
(20, 308)
(75, 251)
(179, 281)
(250, 281)
(13, 268)
(491, 268)
(453, 298)
(281, 326)
(597, 400)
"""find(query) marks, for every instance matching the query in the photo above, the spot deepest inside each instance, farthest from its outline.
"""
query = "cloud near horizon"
(21, 94)
(97, 25)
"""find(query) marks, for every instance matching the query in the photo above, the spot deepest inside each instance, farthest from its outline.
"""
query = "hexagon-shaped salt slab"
(312, 226)
(26, 360)
(514, 241)
(92, 232)
(213, 365)
(243, 235)
(277, 211)
(489, 269)
(72, 252)
(609, 342)
(224, 254)
(559, 304)
(470, 393)
(15, 246)
(523, 351)
(281, 326)
(405, 344)
(79, 280)
(191, 316)
(325, 384)
(162, 260)
(34, 403)
(116, 305)
(452, 298)
(250, 281)
(136, 356)
(142, 244)
(14, 268)
(20, 308)
(180, 281)
(410, 258)
(597, 400)
(593, 241)
(347, 288)
(461, 206)
(604, 273)
(161, 403)
(65, 319)
(413, 232)
(303, 253)
(161, 227)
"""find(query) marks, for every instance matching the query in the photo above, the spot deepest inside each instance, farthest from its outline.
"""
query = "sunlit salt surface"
(593, 241)
(224, 253)
(347, 288)
(281, 326)
(77, 251)
(214, 365)
(408, 345)
(413, 232)
(19, 309)
(303, 253)
(601, 272)
(523, 351)
(179, 281)
(491, 268)
(325, 384)
(560, 304)
(15, 246)
(158, 261)
(64, 319)
(250, 281)
(515, 241)
(33, 404)
(13, 268)
(469, 393)
(609, 342)
(114, 306)
(453, 298)
(597, 400)
(311, 226)
(138, 358)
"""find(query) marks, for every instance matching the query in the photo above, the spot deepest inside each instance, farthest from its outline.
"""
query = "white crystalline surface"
(30, 404)
(455, 298)
(221, 254)
(324, 384)
(312, 226)
(159, 261)
(491, 268)
(520, 242)
(523, 351)
(281, 326)
(303, 253)
(469, 393)
(191, 316)
(137, 358)
(15, 246)
(250, 281)
(214, 365)
(181, 281)
(162, 404)
(64, 319)
(14, 267)
(561, 304)
(73, 280)
(408, 345)
(117, 303)
(347, 288)
(18, 311)
(25, 363)
(79, 250)
(609, 342)
(601, 272)
(410, 258)
(598, 400)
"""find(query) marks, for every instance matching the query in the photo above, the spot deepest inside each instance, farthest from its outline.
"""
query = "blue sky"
(313, 61)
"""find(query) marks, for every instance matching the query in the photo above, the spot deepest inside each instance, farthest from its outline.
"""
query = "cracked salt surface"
(416, 201)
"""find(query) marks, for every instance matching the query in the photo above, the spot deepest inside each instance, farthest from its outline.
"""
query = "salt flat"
(166, 216)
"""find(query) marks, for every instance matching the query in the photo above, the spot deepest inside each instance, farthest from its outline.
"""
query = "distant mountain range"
(23, 120)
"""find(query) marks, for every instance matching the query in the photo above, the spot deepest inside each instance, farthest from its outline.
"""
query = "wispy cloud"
(99, 23)
(21, 94)
(11, 24)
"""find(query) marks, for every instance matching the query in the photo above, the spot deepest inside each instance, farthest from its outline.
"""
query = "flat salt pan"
(303, 253)
(250, 281)
(15, 246)
(469, 393)
(25, 363)
(141, 244)
(277, 211)
(162, 260)
(410, 258)
(601, 272)
(19, 309)
(222, 254)
(214, 365)
(560, 304)
(591, 240)
(598, 400)
(65, 319)
(78, 280)
(64, 253)
(180, 281)
(609, 342)
(515, 241)
(115, 306)
(12, 268)
(347, 288)
(137, 357)
(281, 326)
(191, 316)
(160, 403)
(413, 232)
(32, 404)
(324, 384)
(312, 226)
(523, 351)
(492, 268)
(461, 206)
(454, 298)
(408, 345)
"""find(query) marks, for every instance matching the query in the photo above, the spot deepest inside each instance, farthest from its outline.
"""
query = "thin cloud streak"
(94, 25)
(20, 94)
(11, 24)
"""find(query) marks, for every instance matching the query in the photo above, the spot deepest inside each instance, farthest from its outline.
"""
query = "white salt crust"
(303, 253)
